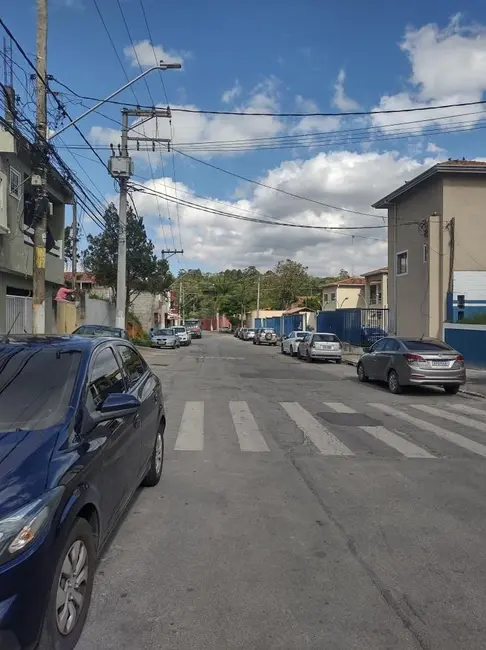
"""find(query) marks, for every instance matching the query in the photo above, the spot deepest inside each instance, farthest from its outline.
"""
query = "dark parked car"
(101, 330)
(370, 335)
(81, 427)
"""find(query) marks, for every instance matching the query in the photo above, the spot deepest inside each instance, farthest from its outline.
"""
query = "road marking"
(404, 446)
(191, 431)
(339, 407)
(468, 409)
(454, 417)
(440, 432)
(322, 438)
(249, 435)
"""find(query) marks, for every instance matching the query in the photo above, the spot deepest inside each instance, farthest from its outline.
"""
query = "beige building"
(347, 294)
(436, 251)
(17, 220)
(376, 288)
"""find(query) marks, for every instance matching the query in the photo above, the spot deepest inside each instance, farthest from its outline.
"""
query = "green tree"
(343, 274)
(144, 271)
(287, 281)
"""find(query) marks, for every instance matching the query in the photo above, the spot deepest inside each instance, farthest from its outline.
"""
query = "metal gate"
(19, 315)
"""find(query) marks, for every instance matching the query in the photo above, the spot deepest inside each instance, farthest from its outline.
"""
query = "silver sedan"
(402, 361)
(320, 346)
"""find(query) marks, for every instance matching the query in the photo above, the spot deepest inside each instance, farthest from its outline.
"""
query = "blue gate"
(291, 322)
(355, 326)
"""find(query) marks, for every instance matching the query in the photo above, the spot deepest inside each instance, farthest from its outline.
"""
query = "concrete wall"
(263, 313)
(414, 301)
(99, 312)
(15, 255)
(471, 285)
(149, 308)
(349, 297)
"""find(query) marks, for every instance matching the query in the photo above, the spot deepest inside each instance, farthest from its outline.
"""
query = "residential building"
(347, 293)
(84, 281)
(436, 253)
(376, 288)
(17, 220)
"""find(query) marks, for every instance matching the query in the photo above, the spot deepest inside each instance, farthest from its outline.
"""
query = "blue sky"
(272, 56)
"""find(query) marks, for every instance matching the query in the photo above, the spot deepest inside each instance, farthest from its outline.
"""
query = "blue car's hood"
(24, 464)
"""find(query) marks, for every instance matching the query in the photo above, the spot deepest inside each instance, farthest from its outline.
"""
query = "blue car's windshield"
(35, 386)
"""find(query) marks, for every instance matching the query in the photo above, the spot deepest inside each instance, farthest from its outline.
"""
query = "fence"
(355, 326)
(19, 315)
(268, 322)
(469, 340)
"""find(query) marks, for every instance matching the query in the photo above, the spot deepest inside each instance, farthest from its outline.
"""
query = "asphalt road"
(299, 509)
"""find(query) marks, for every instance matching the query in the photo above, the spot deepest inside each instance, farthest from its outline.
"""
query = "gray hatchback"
(402, 361)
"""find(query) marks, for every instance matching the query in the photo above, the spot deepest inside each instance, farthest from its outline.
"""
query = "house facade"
(17, 221)
(436, 253)
(347, 293)
(376, 288)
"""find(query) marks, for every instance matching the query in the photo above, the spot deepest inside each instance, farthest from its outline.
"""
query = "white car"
(183, 335)
(290, 343)
(320, 346)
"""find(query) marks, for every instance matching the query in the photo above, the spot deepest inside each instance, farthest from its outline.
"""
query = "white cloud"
(340, 99)
(447, 67)
(197, 127)
(341, 178)
(149, 55)
(232, 93)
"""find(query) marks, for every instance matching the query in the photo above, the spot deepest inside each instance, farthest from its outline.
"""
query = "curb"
(350, 362)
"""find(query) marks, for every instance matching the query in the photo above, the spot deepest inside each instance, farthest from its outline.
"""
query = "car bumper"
(24, 590)
(326, 354)
(437, 378)
(164, 344)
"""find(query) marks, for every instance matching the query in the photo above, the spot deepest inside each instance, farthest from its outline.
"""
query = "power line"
(315, 114)
(277, 189)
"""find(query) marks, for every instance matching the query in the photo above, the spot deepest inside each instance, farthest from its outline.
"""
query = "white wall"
(471, 284)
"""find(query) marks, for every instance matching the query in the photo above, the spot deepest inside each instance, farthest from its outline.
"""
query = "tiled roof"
(81, 277)
(297, 310)
(345, 282)
(375, 272)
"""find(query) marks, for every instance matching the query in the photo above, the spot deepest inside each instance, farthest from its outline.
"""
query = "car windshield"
(422, 345)
(179, 330)
(97, 330)
(167, 332)
(300, 335)
(35, 386)
(326, 338)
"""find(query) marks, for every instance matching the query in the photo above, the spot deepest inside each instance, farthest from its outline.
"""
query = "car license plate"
(440, 364)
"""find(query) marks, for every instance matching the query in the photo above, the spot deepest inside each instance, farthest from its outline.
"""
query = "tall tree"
(144, 271)
(288, 280)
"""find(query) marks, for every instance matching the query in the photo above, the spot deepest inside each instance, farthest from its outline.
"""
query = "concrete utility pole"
(258, 299)
(181, 300)
(121, 167)
(39, 177)
(74, 247)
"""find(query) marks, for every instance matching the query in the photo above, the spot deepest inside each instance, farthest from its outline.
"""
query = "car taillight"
(460, 358)
(413, 357)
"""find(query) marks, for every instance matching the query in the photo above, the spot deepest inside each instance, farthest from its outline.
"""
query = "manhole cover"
(348, 419)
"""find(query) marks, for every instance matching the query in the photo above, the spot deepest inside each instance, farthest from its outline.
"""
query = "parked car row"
(313, 346)
(259, 335)
(172, 337)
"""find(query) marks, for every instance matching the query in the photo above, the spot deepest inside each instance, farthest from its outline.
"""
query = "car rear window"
(179, 329)
(36, 385)
(97, 331)
(300, 335)
(326, 338)
(423, 345)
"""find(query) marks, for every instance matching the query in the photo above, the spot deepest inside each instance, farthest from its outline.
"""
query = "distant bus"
(193, 325)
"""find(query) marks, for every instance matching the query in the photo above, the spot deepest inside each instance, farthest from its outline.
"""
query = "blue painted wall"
(470, 341)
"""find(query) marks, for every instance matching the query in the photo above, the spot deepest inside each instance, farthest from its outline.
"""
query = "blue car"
(81, 427)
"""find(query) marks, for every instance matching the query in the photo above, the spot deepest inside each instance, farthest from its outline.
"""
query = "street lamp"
(340, 306)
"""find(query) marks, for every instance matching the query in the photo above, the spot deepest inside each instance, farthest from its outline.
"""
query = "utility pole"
(258, 298)
(181, 300)
(74, 247)
(121, 167)
(166, 253)
(39, 177)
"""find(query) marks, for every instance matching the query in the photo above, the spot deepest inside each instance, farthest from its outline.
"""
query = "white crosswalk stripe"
(404, 446)
(249, 435)
(322, 438)
(191, 431)
(330, 439)
(450, 436)
(459, 419)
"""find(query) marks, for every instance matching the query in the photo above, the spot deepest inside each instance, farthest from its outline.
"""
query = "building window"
(375, 294)
(402, 263)
(326, 297)
(333, 297)
(426, 254)
(15, 183)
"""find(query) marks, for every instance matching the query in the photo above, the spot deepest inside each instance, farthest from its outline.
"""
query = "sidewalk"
(476, 377)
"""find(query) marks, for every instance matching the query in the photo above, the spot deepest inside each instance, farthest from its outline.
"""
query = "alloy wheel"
(159, 453)
(71, 588)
